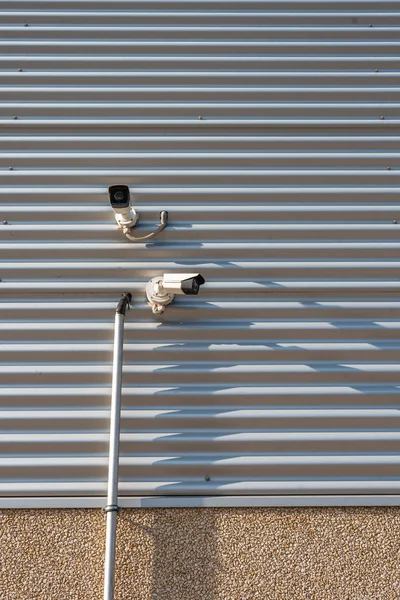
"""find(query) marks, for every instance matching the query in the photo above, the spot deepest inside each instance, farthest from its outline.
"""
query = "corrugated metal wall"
(283, 376)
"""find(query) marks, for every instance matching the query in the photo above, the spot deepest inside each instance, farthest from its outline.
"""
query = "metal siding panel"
(279, 384)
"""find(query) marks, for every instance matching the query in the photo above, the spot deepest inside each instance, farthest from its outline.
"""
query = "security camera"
(120, 200)
(161, 290)
(186, 283)
(127, 217)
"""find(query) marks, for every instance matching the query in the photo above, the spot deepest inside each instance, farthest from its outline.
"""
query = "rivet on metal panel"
(388, 168)
(5, 222)
(382, 117)
(207, 478)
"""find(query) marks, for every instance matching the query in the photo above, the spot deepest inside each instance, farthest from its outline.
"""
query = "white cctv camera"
(127, 217)
(161, 290)
(120, 201)
(182, 283)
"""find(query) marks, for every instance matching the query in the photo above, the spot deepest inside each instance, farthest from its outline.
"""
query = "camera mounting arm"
(152, 234)
(126, 216)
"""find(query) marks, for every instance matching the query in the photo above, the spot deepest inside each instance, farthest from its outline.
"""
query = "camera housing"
(161, 290)
(182, 283)
(120, 200)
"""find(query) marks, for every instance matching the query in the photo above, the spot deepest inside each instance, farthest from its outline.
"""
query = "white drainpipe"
(113, 462)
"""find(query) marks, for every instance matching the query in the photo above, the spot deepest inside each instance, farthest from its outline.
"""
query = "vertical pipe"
(113, 462)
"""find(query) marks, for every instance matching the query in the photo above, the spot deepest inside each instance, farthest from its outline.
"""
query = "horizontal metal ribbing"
(269, 131)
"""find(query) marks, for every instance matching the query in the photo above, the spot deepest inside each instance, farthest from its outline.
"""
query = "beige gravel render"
(204, 554)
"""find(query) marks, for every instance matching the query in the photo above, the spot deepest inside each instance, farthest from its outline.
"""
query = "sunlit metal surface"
(270, 132)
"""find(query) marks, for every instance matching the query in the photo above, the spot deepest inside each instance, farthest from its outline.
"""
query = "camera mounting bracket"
(157, 296)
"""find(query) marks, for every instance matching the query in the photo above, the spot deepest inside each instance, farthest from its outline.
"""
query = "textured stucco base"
(204, 554)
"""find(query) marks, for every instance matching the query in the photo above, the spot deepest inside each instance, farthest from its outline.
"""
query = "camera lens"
(119, 196)
(191, 286)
